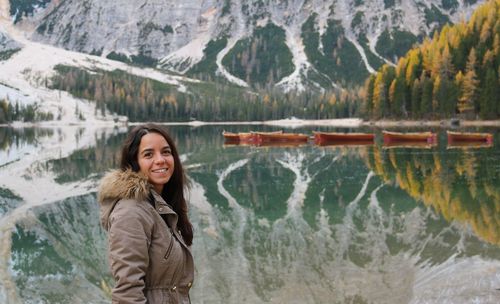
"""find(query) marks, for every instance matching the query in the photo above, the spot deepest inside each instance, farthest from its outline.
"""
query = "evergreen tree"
(490, 96)
(414, 68)
(444, 97)
(380, 98)
(467, 101)
(370, 85)
(426, 99)
(397, 94)
(416, 97)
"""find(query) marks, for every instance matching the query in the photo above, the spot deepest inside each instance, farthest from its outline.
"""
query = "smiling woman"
(156, 160)
(145, 213)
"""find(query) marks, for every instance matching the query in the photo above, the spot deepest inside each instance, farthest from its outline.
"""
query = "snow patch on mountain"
(25, 76)
(176, 33)
(294, 42)
(238, 32)
(7, 44)
(184, 58)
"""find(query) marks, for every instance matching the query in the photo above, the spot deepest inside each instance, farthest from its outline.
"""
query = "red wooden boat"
(241, 137)
(469, 137)
(345, 143)
(244, 137)
(230, 136)
(326, 137)
(265, 137)
(391, 137)
(281, 144)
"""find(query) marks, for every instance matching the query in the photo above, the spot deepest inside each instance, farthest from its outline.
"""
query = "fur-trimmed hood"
(119, 184)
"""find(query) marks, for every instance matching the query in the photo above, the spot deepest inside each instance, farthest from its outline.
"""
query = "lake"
(300, 224)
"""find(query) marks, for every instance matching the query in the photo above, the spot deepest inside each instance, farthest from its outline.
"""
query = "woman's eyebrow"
(146, 150)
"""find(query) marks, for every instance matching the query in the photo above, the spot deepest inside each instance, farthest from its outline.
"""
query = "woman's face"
(155, 160)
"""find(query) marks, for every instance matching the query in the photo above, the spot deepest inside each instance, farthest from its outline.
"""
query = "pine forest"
(454, 74)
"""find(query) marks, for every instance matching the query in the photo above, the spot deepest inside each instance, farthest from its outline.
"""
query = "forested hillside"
(144, 99)
(454, 74)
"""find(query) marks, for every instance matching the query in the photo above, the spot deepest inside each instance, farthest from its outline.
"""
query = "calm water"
(304, 224)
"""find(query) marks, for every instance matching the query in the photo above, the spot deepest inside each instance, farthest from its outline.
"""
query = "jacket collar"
(127, 184)
(119, 184)
(160, 205)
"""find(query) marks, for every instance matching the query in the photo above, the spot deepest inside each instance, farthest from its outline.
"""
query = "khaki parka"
(148, 258)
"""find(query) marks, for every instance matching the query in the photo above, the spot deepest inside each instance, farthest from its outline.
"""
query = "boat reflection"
(454, 137)
(395, 137)
(468, 145)
(412, 145)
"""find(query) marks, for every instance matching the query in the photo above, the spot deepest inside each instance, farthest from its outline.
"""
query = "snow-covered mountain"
(7, 44)
(292, 44)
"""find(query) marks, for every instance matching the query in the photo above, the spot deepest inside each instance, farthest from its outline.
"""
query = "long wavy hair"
(173, 192)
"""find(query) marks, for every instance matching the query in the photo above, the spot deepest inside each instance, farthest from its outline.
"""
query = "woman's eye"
(166, 152)
(148, 155)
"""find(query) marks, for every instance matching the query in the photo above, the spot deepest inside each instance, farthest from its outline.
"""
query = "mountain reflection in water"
(301, 224)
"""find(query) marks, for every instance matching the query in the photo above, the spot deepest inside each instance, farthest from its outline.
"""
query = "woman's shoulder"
(133, 212)
(123, 185)
(124, 194)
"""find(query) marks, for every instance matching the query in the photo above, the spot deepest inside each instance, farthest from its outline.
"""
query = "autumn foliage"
(454, 74)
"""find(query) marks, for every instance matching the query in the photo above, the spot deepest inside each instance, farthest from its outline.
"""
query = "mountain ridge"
(173, 36)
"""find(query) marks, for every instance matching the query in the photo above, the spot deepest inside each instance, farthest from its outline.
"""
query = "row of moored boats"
(338, 138)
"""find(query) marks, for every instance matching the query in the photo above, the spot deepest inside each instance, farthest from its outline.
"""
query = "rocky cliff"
(322, 43)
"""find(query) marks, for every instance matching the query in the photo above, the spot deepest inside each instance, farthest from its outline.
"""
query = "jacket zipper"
(170, 246)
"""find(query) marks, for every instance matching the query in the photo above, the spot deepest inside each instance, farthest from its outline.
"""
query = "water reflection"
(14, 142)
(460, 184)
(56, 254)
(83, 163)
(309, 224)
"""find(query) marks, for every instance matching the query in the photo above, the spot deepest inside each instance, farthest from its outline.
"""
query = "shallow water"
(305, 224)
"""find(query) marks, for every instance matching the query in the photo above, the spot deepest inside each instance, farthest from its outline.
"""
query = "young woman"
(145, 213)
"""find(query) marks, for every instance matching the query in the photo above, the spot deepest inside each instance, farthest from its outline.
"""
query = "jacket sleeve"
(129, 234)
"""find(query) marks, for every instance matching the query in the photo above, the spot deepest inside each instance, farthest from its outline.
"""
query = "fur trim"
(126, 184)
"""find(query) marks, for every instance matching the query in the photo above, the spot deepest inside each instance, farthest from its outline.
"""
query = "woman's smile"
(155, 160)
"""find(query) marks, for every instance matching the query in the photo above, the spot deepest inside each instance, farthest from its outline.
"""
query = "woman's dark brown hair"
(173, 192)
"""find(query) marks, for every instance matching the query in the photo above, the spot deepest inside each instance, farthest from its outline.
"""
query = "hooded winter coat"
(148, 257)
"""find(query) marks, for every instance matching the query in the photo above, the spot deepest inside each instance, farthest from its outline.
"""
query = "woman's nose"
(159, 158)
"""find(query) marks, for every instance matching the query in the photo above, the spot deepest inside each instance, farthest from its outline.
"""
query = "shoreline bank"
(287, 123)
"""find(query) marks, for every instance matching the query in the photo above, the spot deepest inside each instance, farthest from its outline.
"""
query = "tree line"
(144, 99)
(456, 73)
(27, 113)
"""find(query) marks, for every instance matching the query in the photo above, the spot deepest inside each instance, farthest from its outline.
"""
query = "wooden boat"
(246, 137)
(243, 137)
(265, 137)
(325, 137)
(281, 144)
(345, 143)
(230, 136)
(390, 137)
(469, 137)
